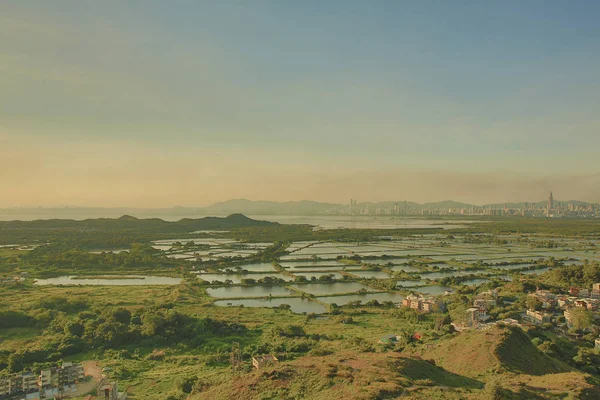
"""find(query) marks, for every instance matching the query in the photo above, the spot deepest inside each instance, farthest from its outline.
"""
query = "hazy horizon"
(125, 207)
(155, 104)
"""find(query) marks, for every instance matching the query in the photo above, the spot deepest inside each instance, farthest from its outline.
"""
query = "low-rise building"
(597, 344)
(4, 385)
(472, 316)
(30, 384)
(259, 362)
(594, 293)
(537, 317)
(547, 298)
(109, 391)
(70, 374)
(45, 384)
(423, 304)
(48, 379)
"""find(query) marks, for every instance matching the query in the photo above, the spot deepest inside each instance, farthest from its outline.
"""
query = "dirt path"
(91, 368)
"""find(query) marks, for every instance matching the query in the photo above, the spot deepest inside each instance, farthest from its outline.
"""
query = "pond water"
(325, 267)
(330, 288)
(259, 267)
(510, 266)
(571, 262)
(237, 278)
(130, 280)
(248, 291)
(365, 222)
(297, 304)
(434, 290)
(309, 264)
(536, 271)
(308, 257)
(364, 298)
(371, 274)
(408, 284)
(180, 256)
(163, 247)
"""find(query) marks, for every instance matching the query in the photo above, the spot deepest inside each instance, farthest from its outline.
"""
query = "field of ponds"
(412, 264)
(311, 275)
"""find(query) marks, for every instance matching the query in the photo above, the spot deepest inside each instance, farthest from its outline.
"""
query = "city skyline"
(150, 104)
(352, 204)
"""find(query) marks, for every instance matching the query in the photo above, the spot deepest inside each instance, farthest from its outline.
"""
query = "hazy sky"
(163, 103)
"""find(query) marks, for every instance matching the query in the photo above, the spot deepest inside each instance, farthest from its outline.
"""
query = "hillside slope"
(496, 350)
(475, 365)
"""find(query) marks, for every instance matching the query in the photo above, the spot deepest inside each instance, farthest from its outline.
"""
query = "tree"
(186, 385)
(74, 328)
(533, 303)
(581, 318)
(458, 314)
(584, 356)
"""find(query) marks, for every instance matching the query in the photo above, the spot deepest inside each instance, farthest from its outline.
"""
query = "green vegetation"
(171, 342)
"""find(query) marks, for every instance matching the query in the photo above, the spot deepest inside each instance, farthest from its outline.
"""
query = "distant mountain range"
(129, 223)
(244, 206)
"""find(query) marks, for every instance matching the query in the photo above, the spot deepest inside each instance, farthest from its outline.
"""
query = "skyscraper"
(550, 202)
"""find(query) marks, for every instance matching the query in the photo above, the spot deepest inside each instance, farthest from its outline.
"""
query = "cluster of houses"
(577, 297)
(478, 314)
(49, 384)
(586, 293)
(421, 303)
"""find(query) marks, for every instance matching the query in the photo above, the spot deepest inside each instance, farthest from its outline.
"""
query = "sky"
(158, 104)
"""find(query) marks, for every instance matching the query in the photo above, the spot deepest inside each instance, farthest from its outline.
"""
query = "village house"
(547, 298)
(259, 362)
(29, 383)
(45, 385)
(109, 391)
(472, 316)
(537, 317)
(597, 344)
(590, 304)
(591, 294)
(423, 304)
(484, 303)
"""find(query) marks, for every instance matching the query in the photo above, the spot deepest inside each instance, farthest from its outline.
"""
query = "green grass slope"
(516, 353)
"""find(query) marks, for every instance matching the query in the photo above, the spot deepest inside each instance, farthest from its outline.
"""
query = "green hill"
(516, 353)
(496, 350)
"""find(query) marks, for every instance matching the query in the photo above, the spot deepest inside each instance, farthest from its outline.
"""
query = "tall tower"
(550, 202)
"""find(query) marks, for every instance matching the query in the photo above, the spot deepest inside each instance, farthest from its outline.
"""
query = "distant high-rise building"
(550, 202)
